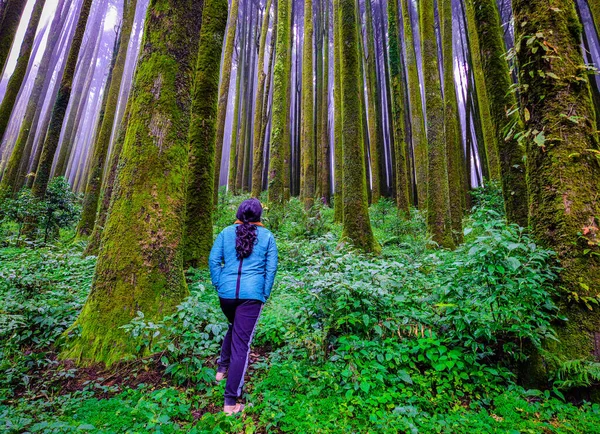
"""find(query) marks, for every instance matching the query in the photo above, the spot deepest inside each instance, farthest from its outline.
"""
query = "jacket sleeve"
(271, 267)
(215, 260)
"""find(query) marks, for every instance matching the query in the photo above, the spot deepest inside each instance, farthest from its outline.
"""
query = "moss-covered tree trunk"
(372, 118)
(562, 161)
(257, 145)
(398, 115)
(505, 118)
(357, 227)
(198, 228)
(12, 179)
(235, 133)
(307, 138)
(140, 264)
(324, 145)
(16, 79)
(595, 11)
(418, 134)
(95, 179)
(8, 28)
(280, 136)
(452, 127)
(438, 206)
(337, 118)
(488, 138)
(224, 91)
(42, 173)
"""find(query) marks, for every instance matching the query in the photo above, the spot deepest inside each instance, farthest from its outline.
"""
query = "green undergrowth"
(417, 339)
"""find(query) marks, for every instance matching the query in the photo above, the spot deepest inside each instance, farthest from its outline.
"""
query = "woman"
(243, 264)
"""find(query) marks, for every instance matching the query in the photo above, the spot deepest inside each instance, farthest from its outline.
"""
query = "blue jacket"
(250, 278)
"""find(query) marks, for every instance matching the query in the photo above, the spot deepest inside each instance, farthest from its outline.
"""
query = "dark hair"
(249, 210)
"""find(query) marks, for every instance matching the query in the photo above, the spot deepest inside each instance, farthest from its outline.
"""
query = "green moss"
(324, 146)
(280, 137)
(502, 100)
(259, 108)
(307, 138)
(224, 91)
(438, 206)
(202, 135)
(419, 138)
(452, 127)
(357, 226)
(140, 262)
(372, 118)
(562, 172)
(337, 121)
(398, 97)
(595, 10)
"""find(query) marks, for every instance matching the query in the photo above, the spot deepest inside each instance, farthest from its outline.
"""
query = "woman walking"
(243, 264)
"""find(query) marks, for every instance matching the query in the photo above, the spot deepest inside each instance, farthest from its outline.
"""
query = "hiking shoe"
(233, 409)
(220, 376)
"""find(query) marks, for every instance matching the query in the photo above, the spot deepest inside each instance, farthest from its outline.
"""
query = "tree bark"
(8, 28)
(140, 264)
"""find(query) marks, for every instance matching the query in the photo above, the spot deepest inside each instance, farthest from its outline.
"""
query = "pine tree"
(307, 138)
(337, 118)
(140, 263)
(9, 23)
(562, 162)
(372, 118)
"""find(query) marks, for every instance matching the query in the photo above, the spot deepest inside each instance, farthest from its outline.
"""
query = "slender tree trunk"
(369, 60)
(8, 28)
(489, 140)
(595, 11)
(505, 118)
(357, 227)
(95, 180)
(257, 145)
(140, 265)
(562, 164)
(307, 137)
(224, 91)
(324, 139)
(419, 138)
(202, 136)
(398, 115)
(42, 173)
(11, 180)
(280, 137)
(16, 79)
(438, 196)
(337, 121)
(238, 101)
(452, 127)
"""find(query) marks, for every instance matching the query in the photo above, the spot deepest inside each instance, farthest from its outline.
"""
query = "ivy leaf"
(540, 139)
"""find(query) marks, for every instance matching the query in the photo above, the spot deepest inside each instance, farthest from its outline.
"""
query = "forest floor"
(418, 339)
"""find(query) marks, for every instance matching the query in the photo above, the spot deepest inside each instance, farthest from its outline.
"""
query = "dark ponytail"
(250, 210)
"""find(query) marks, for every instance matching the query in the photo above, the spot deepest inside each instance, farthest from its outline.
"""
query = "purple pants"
(243, 316)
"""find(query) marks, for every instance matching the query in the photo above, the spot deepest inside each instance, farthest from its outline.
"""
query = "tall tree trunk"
(337, 118)
(307, 137)
(140, 265)
(198, 228)
(8, 28)
(357, 227)
(438, 196)
(11, 181)
(419, 138)
(84, 74)
(238, 101)
(372, 119)
(257, 144)
(16, 79)
(280, 137)
(452, 127)
(398, 115)
(99, 155)
(595, 11)
(488, 139)
(42, 173)
(224, 91)
(563, 168)
(505, 118)
(325, 172)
